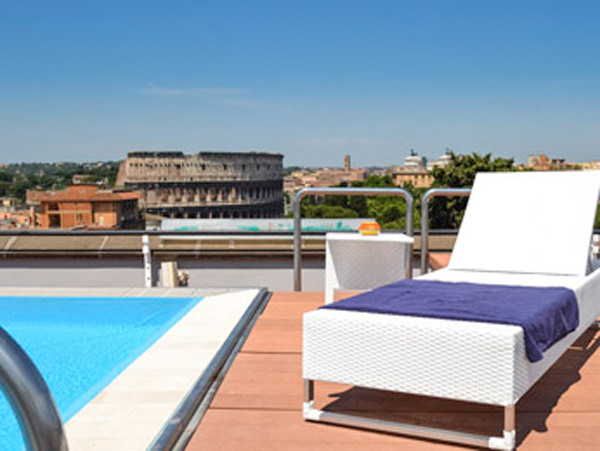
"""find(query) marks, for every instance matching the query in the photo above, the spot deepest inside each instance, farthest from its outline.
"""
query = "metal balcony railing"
(435, 192)
(345, 192)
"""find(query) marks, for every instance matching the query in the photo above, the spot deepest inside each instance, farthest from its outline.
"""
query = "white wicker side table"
(355, 262)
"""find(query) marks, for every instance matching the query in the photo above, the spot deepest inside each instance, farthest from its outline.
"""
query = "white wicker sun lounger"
(528, 229)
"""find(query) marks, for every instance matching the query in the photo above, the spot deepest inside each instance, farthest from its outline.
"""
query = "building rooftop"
(180, 154)
(86, 193)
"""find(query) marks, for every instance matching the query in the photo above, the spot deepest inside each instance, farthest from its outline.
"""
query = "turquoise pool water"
(81, 344)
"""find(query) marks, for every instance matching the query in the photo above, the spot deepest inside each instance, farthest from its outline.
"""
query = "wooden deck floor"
(258, 407)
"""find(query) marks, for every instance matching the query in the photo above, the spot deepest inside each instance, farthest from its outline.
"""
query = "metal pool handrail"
(30, 398)
(430, 194)
(344, 192)
(179, 428)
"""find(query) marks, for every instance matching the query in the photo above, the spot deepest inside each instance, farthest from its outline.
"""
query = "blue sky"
(314, 80)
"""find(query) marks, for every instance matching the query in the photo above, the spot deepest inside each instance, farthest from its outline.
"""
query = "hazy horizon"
(339, 164)
(313, 80)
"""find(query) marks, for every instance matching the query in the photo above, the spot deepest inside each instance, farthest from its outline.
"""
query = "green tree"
(461, 171)
(388, 211)
(19, 187)
(327, 211)
(447, 213)
(16, 179)
(5, 176)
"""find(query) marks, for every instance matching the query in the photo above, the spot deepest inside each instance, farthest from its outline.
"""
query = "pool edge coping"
(180, 426)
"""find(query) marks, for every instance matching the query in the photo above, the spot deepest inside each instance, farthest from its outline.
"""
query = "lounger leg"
(508, 440)
(309, 411)
(309, 390)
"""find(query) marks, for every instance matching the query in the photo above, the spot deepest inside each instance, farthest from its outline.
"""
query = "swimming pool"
(80, 344)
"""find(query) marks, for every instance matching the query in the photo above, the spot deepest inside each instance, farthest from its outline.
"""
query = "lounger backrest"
(528, 222)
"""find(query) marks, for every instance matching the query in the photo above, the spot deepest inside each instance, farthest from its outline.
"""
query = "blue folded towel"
(546, 314)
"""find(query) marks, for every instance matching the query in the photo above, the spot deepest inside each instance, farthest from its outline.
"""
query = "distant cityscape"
(416, 171)
(149, 186)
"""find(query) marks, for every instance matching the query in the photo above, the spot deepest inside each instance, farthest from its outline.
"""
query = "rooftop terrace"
(259, 404)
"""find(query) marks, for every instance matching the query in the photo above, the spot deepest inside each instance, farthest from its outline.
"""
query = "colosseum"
(206, 184)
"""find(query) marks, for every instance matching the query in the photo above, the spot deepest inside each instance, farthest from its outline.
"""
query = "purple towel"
(546, 314)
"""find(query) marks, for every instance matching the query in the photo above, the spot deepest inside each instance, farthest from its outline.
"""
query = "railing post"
(345, 192)
(298, 240)
(435, 192)
(30, 398)
(148, 282)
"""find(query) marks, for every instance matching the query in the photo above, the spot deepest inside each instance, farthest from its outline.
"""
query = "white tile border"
(132, 409)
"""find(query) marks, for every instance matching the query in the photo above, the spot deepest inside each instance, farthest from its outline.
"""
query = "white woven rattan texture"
(450, 359)
(362, 265)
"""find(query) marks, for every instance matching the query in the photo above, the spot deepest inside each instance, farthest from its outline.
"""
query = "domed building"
(414, 162)
(414, 172)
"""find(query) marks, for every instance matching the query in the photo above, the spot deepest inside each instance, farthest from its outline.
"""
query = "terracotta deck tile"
(268, 381)
(276, 338)
(291, 305)
(287, 430)
(264, 381)
(280, 325)
(258, 406)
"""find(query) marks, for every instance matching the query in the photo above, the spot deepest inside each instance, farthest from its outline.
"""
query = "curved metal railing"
(345, 192)
(30, 398)
(435, 192)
